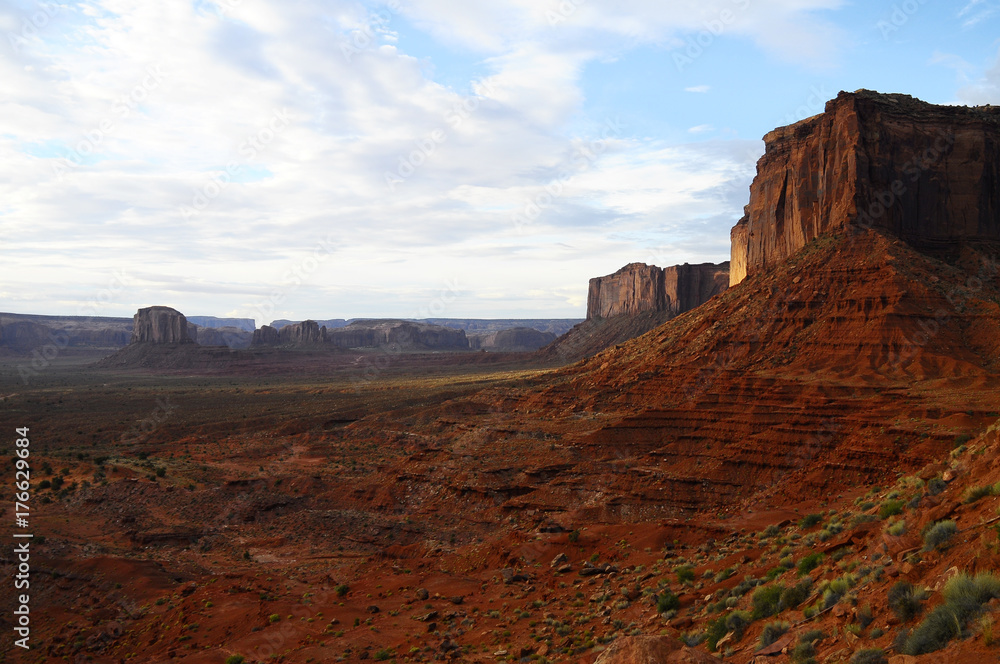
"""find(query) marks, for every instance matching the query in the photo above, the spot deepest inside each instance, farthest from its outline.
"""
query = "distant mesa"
(398, 333)
(212, 322)
(265, 336)
(638, 288)
(363, 334)
(160, 325)
(306, 332)
(927, 174)
(513, 340)
(25, 332)
(23, 335)
(329, 323)
(635, 300)
(294, 334)
(483, 326)
(232, 337)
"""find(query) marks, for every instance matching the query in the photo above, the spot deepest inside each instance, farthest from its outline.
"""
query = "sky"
(319, 159)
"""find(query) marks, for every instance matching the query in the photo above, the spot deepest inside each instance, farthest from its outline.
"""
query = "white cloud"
(700, 129)
(986, 88)
(978, 11)
(698, 88)
(154, 100)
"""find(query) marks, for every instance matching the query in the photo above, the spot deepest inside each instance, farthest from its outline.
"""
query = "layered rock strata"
(927, 174)
(638, 288)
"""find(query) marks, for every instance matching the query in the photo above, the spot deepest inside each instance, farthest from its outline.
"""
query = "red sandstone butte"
(927, 174)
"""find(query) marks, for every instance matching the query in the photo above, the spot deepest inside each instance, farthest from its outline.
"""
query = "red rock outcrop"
(306, 332)
(160, 325)
(927, 174)
(688, 286)
(638, 288)
(634, 289)
(636, 299)
(265, 336)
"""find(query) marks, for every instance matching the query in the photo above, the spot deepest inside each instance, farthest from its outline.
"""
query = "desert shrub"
(574, 537)
(723, 575)
(715, 631)
(876, 633)
(965, 589)
(342, 590)
(962, 439)
(765, 601)
(942, 625)
(936, 486)
(235, 659)
(977, 492)
(986, 630)
(744, 586)
(770, 531)
(835, 590)
(667, 602)
(869, 656)
(804, 653)
(737, 623)
(772, 632)
(862, 518)
(890, 508)
(865, 616)
(811, 635)
(685, 574)
(273, 618)
(809, 563)
(792, 596)
(897, 529)
(964, 597)
(810, 520)
(938, 535)
(382, 655)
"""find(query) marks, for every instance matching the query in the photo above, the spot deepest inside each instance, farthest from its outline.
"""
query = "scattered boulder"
(509, 576)
(589, 569)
